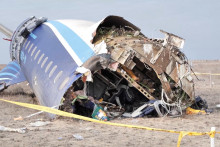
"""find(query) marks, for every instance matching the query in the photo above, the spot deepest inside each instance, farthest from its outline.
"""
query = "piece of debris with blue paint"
(101, 70)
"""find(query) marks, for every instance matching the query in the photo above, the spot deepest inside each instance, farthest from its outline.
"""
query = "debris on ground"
(59, 138)
(39, 124)
(200, 106)
(31, 115)
(194, 111)
(78, 137)
(7, 129)
(99, 114)
(18, 118)
(137, 77)
(123, 74)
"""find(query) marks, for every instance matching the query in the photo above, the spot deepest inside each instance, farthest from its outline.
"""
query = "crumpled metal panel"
(162, 55)
(50, 59)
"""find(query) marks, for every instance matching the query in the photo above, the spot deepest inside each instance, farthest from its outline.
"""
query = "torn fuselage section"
(132, 74)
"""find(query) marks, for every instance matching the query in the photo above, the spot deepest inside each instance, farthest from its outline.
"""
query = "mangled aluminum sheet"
(130, 69)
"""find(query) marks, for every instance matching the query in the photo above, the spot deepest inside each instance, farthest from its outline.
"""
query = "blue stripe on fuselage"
(7, 74)
(82, 50)
(15, 64)
(7, 68)
(46, 90)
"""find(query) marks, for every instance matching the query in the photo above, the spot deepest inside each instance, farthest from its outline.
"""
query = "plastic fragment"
(7, 129)
(39, 124)
(194, 111)
(78, 137)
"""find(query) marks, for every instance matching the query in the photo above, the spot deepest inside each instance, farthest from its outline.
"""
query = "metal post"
(212, 137)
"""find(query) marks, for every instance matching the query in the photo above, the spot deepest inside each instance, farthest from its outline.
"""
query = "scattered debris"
(199, 106)
(138, 77)
(144, 109)
(18, 118)
(78, 137)
(7, 129)
(31, 115)
(194, 111)
(39, 124)
(99, 114)
(126, 74)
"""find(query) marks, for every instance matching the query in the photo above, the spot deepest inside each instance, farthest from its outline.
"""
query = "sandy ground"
(60, 131)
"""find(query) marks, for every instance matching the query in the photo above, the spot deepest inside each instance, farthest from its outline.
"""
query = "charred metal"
(103, 70)
(134, 73)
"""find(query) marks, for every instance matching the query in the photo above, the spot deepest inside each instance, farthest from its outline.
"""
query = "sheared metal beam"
(6, 31)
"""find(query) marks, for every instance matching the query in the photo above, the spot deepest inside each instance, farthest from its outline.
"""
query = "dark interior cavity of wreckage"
(138, 77)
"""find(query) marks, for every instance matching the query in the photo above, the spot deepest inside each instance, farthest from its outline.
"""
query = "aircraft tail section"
(10, 75)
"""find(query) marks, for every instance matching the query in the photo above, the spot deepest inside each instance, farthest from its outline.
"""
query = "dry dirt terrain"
(61, 131)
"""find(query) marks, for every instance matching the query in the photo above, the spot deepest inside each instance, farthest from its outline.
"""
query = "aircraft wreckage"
(102, 70)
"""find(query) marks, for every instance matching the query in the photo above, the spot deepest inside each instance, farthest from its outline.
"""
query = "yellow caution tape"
(212, 134)
(213, 74)
(181, 135)
(62, 113)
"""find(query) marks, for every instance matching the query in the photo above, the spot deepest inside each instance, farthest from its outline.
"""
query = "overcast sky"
(197, 21)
